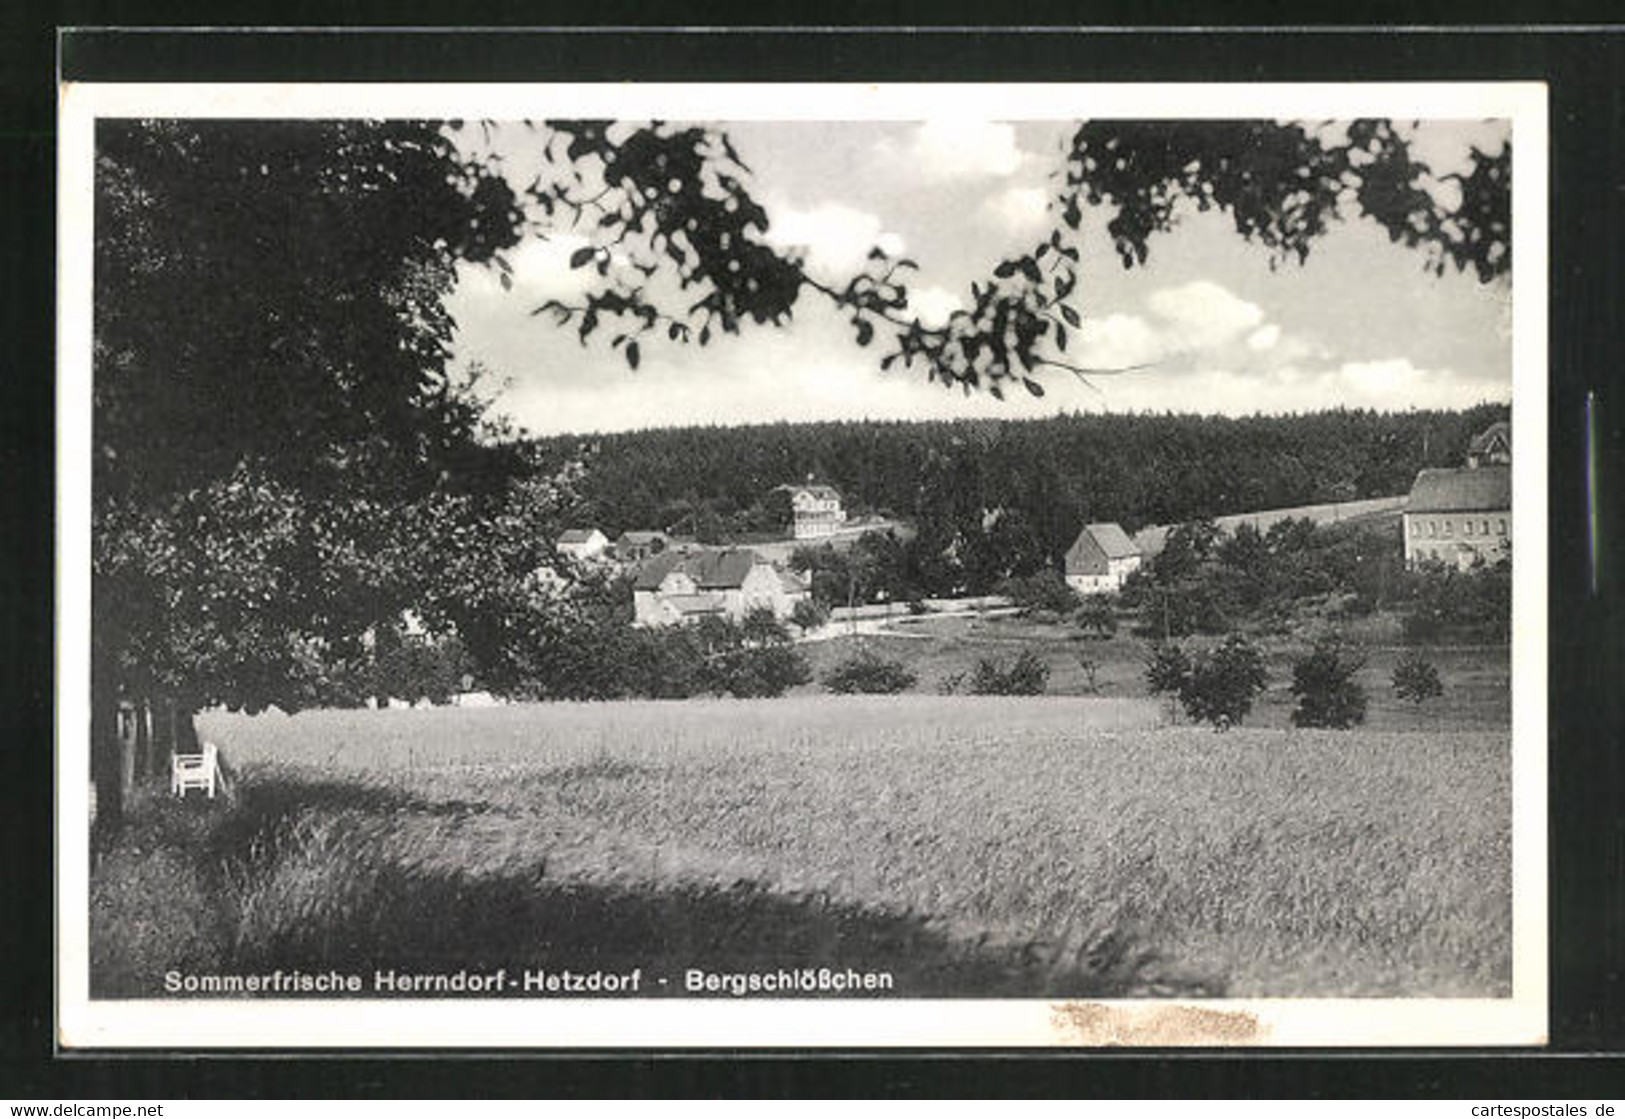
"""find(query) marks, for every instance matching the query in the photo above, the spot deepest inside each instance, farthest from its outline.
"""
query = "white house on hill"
(1464, 516)
(675, 587)
(815, 510)
(582, 543)
(1100, 559)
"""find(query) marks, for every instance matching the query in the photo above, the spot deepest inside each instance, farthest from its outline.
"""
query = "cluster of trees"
(1219, 685)
(1049, 476)
(1211, 582)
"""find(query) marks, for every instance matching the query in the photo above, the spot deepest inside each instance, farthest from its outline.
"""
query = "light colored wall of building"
(1116, 571)
(1458, 538)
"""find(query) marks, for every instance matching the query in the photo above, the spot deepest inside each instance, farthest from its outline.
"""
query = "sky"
(1216, 330)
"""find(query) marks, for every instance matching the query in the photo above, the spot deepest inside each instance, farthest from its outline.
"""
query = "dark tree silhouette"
(674, 202)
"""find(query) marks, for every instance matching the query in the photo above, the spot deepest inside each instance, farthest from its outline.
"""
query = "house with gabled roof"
(815, 510)
(637, 545)
(682, 586)
(581, 543)
(1463, 516)
(1100, 559)
(1491, 447)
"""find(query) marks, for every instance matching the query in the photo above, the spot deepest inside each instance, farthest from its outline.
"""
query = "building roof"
(711, 569)
(1462, 491)
(576, 535)
(817, 489)
(640, 536)
(1481, 442)
(1112, 540)
(1096, 546)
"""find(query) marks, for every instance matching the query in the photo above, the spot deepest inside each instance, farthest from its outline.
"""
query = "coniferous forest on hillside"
(1057, 473)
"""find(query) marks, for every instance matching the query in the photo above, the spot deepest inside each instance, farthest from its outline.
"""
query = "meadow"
(1053, 846)
(1476, 678)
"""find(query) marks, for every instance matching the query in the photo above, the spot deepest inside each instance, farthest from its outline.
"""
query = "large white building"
(683, 586)
(1100, 559)
(1462, 517)
(815, 510)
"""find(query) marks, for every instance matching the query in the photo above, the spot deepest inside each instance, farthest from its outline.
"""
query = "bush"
(1222, 684)
(809, 613)
(1043, 591)
(1416, 679)
(1026, 675)
(1097, 618)
(867, 673)
(1328, 695)
(1166, 668)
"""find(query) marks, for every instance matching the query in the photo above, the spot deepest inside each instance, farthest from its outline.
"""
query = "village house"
(1491, 447)
(637, 545)
(682, 586)
(1100, 559)
(815, 510)
(1463, 516)
(581, 543)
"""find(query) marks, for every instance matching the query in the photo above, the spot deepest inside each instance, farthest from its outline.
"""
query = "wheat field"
(1013, 846)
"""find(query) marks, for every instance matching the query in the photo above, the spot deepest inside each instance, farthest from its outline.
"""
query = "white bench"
(194, 771)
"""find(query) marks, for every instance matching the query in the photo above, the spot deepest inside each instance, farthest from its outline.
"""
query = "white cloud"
(1119, 341)
(1019, 208)
(1204, 315)
(836, 238)
(953, 148)
(541, 270)
(1264, 338)
(933, 305)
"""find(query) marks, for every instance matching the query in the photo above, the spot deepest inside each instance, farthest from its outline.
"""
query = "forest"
(1050, 475)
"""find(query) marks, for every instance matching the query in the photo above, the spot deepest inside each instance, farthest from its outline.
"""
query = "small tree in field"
(868, 673)
(1416, 679)
(1167, 667)
(1328, 694)
(1096, 618)
(808, 614)
(1026, 675)
(1222, 685)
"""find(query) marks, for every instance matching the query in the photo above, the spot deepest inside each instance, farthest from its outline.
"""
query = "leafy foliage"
(1328, 693)
(868, 672)
(1266, 580)
(1448, 602)
(1223, 683)
(1025, 674)
(1415, 678)
(1096, 617)
(809, 614)
(673, 199)
(1283, 184)
(1042, 592)
(274, 467)
(1167, 668)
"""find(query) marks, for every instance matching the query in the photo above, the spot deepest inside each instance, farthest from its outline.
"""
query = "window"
(1467, 528)
(1433, 528)
(1446, 530)
(1486, 528)
(1503, 526)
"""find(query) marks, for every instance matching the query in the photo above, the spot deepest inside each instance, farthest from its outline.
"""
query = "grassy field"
(1477, 679)
(1009, 847)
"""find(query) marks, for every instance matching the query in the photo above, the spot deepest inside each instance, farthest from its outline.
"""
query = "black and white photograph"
(802, 566)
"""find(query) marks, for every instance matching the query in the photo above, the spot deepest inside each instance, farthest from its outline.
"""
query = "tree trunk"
(108, 751)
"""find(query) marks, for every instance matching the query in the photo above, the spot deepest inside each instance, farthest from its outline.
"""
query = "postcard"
(816, 566)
